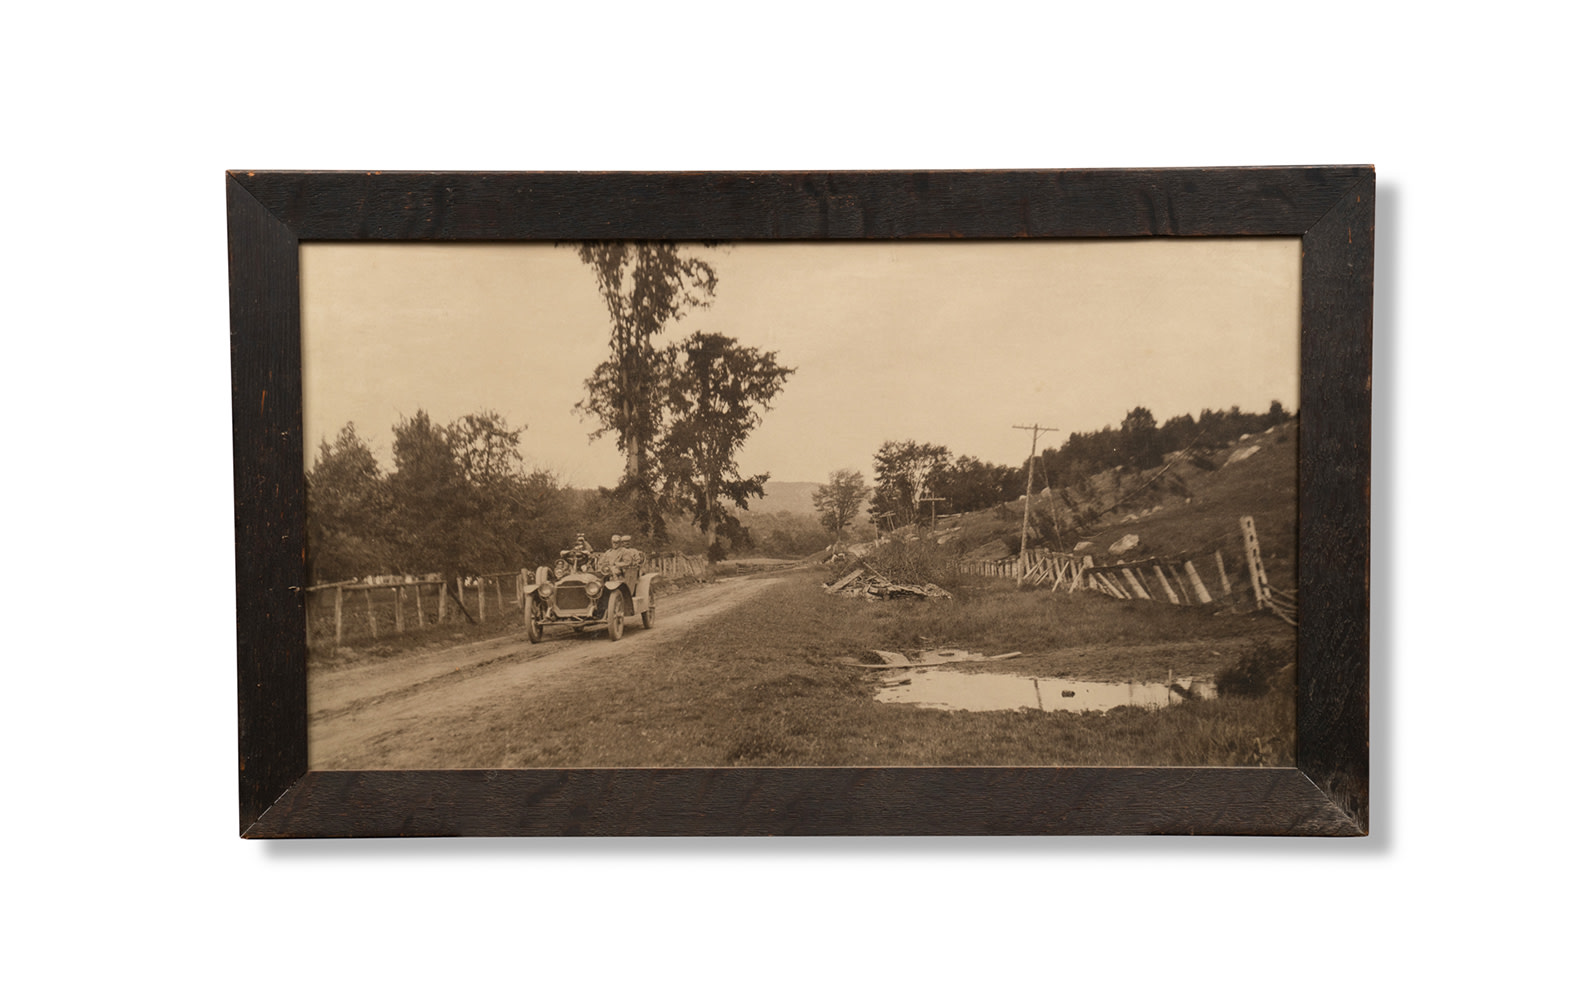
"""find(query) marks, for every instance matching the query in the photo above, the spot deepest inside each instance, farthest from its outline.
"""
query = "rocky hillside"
(1189, 505)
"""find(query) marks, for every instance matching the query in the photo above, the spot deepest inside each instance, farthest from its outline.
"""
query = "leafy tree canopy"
(904, 473)
(645, 286)
(716, 391)
(839, 500)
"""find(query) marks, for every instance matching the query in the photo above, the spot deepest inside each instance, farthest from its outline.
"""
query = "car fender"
(643, 592)
(533, 590)
(617, 591)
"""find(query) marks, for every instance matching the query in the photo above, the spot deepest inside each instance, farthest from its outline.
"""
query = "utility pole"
(1026, 507)
(933, 512)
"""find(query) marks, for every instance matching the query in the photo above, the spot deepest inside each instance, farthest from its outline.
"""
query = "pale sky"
(944, 341)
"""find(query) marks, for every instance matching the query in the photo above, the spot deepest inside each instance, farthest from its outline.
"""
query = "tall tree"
(463, 503)
(839, 500)
(1140, 438)
(716, 393)
(496, 507)
(645, 286)
(905, 472)
(485, 447)
(428, 495)
(347, 506)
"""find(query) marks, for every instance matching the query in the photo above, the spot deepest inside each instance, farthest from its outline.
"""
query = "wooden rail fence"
(386, 605)
(678, 567)
(1175, 580)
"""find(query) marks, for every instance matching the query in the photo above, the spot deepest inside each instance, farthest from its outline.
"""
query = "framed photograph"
(891, 503)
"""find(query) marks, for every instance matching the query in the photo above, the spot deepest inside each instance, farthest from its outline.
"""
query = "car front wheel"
(615, 618)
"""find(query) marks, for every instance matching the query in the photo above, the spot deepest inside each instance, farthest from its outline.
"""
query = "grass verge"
(763, 685)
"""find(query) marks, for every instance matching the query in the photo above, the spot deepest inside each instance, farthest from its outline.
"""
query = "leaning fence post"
(480, 596)
(1136, 584)
(441, 601)
(1166, 584)
(397, 607)
(1119, 585)
(337, 613)
(1142, 578)
(1181, 587)
(1197, 583)
(1225, 581)
(1261, 583)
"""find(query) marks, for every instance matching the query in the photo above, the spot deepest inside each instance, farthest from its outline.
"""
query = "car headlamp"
(593, 588)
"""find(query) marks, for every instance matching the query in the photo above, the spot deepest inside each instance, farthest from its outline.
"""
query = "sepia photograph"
(886, 503)
(905, 384)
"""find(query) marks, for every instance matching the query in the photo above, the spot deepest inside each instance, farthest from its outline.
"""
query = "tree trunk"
(632, 458)
(626, 390)
(711, 522)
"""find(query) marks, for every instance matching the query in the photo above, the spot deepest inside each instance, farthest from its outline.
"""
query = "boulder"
(1081, 546)
(1124, 544)
(1242, 453)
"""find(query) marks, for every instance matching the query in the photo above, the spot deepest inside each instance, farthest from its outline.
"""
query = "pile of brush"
(864, 581)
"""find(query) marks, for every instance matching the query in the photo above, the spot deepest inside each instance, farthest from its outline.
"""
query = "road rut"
(384, 714)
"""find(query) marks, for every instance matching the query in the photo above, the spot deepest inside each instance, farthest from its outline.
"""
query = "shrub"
(915, 562)
(1256, 673)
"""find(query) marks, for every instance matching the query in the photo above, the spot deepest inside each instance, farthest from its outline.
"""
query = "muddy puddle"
(951, 690)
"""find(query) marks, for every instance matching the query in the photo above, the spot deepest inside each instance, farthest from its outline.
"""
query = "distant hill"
(791, 498)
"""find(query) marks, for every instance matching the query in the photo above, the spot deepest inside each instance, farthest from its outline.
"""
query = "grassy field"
(764, 685)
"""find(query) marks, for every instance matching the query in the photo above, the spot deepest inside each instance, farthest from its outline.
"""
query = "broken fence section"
(1175, 580)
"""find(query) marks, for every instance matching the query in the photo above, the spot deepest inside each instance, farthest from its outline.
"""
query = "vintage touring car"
(587, 589)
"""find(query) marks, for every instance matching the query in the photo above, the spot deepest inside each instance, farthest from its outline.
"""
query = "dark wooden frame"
(1331, 208)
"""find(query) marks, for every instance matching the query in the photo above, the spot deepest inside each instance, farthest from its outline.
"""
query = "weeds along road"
(393, 713)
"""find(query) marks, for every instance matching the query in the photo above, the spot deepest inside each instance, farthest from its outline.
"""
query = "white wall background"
(123, 869)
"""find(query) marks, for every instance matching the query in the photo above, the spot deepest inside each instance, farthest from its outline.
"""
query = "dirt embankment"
(387, 713)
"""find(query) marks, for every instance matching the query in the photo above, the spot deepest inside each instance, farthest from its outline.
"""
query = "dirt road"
(389, 713)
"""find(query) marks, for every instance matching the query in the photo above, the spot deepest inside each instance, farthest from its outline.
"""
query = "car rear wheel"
(615, 617)
(648, 616)
(535, 630)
